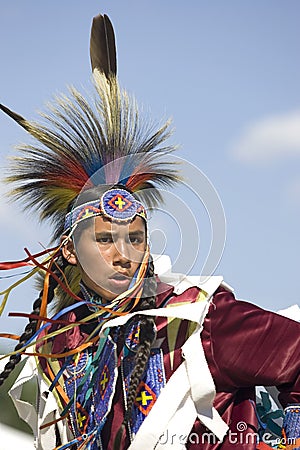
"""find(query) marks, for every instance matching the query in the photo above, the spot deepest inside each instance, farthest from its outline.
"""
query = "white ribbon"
(188, 394)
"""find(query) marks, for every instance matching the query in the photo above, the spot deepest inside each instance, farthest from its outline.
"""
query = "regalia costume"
(166, 364)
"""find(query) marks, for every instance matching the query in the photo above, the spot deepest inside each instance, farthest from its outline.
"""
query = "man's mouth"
(119, 276)
(119, 280)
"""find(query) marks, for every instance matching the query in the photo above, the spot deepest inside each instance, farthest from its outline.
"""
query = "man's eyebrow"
(104, 233)
(115, 233)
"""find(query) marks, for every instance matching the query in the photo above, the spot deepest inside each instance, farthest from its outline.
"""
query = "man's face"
(109, 253)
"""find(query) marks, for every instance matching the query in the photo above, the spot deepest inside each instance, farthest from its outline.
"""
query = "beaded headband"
(115, 204)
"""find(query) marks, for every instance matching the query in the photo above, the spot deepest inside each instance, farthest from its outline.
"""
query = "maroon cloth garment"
(245, 346)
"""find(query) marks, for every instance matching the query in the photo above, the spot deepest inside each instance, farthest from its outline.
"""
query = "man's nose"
(122, 252)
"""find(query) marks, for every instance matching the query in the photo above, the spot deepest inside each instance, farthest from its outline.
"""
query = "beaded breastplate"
(90, 381)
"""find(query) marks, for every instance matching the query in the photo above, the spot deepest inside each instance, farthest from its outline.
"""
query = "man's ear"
(68, 251)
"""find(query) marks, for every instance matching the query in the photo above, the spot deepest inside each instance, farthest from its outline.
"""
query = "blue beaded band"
(115, 204)
(291, 422)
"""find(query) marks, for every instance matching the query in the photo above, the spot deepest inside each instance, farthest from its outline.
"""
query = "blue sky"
(227, 73)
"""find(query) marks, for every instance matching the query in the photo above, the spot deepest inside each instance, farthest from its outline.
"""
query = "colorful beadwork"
(116, 204)
(132, 337)
(291, 422)
(94, 394)
(149, 388)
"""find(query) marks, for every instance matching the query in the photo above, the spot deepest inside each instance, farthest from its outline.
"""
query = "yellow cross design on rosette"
(120, 203)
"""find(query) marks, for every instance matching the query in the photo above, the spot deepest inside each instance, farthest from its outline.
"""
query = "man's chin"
(108, 295)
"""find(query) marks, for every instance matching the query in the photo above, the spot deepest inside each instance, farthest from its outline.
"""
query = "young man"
(126, 360)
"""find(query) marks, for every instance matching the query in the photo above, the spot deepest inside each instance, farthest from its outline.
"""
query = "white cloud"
(269, 139)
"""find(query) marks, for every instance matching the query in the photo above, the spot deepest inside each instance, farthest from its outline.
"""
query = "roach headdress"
(84, 143)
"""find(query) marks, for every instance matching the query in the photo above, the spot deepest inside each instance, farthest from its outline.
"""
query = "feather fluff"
(86, 142)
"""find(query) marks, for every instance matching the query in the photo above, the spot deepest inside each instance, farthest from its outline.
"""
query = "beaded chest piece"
(92, 391)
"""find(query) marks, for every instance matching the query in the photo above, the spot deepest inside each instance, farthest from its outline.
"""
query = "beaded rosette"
(115, 204)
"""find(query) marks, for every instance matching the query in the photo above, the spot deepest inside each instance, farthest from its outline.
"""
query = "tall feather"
(102, 46)
(19, 119)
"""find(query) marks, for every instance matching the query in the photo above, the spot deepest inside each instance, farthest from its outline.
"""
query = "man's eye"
(136, 239)
(105, 240)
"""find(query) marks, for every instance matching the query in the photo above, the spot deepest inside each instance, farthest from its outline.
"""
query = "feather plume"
(102, 46)
(19, 119)
(84, 143)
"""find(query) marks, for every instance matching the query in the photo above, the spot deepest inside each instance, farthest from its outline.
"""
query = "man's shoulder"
(183, 285)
